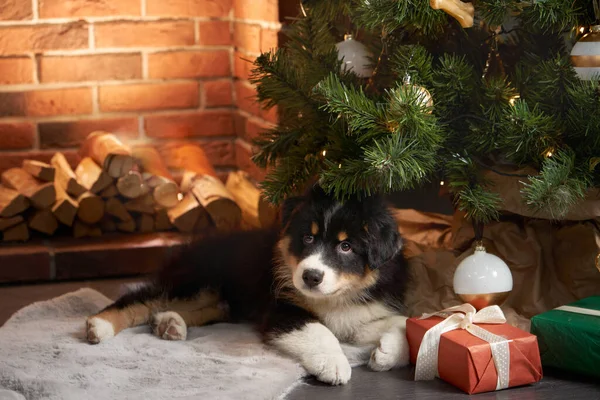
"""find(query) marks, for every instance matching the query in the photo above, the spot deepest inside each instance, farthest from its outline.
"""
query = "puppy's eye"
(345, 247)
(308, 239)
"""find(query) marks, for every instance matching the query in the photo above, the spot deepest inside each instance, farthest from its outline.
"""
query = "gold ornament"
(422, 94)
(462, 12)
(482, 279)
(585, 55)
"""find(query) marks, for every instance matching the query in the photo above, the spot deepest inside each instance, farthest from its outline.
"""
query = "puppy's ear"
(288, 207)
(384, 241)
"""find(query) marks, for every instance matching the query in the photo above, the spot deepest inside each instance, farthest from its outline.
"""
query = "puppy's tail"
(134, 308)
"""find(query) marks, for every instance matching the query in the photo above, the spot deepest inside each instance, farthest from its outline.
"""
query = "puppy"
(333, 274)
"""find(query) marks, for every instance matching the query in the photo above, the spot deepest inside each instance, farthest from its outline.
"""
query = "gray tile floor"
(364, 385)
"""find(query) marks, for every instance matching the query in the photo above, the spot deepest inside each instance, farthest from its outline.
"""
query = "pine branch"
(559, 187)
(528, 134)
(360, 112)
(390, 164)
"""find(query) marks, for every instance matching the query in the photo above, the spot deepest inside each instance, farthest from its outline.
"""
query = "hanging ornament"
(422, 94)
(355, 56)
(482, 279)
(585, 55)
(462, 12)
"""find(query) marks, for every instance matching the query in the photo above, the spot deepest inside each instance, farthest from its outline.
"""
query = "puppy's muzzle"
(312, 277)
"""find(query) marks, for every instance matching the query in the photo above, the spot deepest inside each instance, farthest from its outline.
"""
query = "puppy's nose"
(312, 277)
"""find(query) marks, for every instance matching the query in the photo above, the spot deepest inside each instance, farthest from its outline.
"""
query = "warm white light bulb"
(482, 273)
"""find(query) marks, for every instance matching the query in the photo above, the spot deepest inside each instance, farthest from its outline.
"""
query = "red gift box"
(466, 362)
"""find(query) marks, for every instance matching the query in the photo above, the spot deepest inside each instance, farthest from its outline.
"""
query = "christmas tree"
(444, 96)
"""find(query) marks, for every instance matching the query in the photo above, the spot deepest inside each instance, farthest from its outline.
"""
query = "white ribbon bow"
(464, 317)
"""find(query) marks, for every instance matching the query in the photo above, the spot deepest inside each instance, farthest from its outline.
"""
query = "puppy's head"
(330, 248)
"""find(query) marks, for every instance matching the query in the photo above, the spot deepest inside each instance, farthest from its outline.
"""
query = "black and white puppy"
(333, 274)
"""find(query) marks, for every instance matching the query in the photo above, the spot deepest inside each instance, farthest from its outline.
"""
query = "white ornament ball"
(585, 55)
(355, 56)
(482, 279)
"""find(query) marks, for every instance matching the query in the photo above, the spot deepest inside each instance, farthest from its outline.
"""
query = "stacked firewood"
(116, 188)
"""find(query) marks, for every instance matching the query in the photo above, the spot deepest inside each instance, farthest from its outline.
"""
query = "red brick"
(246, 98)
(15, 159)
(220, 153)
(253, 129)
(15, 10)
(189, 8)
(72, 133)
(16, 135)
(215, 33)
(24, 262)
(201, 124)
(43, 103)
(239, 122)
(90, 68)
(243, 65)
(218, 93)
(189, 64)
(247, 37)
(243, 154)
(271, 115)
(144, 34)
(15, 70)
(267, 10)
(149, 96)
(268, 40)
(38, 38)
(87, 8)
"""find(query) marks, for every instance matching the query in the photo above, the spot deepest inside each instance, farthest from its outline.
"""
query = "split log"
(18, 233)
(108, 225)
(116, 208)
(109, 152)
(91, 176)
(6, 223)
(43, 221)
(65, 208)
(81, 230)
(256, 211)
(42, 195)
(127, 226)
(132, 185)
(164, 188)
(217, 201)
(145, 223)
(109, 192)
(164, 191)
(42, 171)
(161, 220)
(187, 213)
(142, 205)
(65, 177)
(12, 202)
(91, 208)
(187, 181)
(188, 157)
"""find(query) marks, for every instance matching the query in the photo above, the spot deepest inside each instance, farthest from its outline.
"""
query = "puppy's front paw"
(169, 326)
(99, 329)
(329, 368)
(392, 352)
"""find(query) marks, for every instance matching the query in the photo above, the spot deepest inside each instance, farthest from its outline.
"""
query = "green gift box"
(569, 336)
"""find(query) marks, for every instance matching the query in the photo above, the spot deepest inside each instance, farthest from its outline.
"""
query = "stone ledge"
(68, 258)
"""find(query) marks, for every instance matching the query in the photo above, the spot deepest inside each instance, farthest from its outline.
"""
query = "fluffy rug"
(44, 355)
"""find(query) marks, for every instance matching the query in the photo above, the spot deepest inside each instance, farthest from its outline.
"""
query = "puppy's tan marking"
(314, 228)
(342, 236)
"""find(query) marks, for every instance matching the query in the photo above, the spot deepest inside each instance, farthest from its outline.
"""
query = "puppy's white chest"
(345, 322)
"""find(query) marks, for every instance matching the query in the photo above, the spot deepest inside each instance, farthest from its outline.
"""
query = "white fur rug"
(44, 355)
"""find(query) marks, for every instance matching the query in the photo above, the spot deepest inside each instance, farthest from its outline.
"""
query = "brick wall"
(148, 70)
